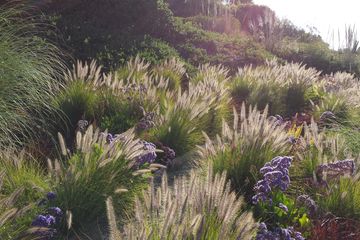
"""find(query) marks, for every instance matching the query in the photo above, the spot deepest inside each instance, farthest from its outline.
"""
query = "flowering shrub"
(149, 154)
(47, 221)
(279, 233)
(308, 203)
(272, 205)
(276, 176)
(167, 156)
(336, 169)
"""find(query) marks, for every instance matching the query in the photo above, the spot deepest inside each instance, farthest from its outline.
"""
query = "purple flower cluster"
(327, 115)
(276, 175)
(149, 156)
(168, 155)
(277, 119)
(292, 140)
(82, 125)
(110, 138)
(51, 196)
(278, 234)
(147, 122)
(47, 220)
(336, 169)
(134, 88)
(309, 203)
(44, 221)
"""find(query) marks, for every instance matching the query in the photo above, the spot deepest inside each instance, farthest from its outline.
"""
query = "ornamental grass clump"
(172, 69)
(282, 87)
(21, 185)
(341, 197)
(318, 147)
(214, 85)
(136, 69)
(29, 68)
(180, 123)
(243, 148)
(97, 169)
(196, 207)
(20, 170)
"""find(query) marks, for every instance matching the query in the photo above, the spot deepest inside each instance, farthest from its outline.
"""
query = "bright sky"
(328, 16)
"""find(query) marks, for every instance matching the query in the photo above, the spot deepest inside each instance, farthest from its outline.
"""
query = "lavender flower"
(51, 196)
(147, 122)
(276, 175)
(55, 211)
(336, 169)
(283, 207)
(149, 156)
(168, 154)
(309, 203)
(82, 124)
(292, 140)
(327, 115)
(44, 221)
(109, 138)
(278, 233)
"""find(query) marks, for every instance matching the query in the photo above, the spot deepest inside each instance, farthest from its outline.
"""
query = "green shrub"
(95, 171)
(177, 131)
(198, 208)
(220, 24)
(117, 113)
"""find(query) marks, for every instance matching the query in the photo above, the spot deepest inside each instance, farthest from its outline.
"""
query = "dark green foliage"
(295, 99)
(117, 114)
(112, 31)
(199, 46)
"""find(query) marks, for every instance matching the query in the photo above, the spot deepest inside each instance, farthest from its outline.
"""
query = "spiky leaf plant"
(14, 218)
(318, 147)
(136, 70)
(207, 71)
(180, 124)
(194, 208)
(282, 87)
(94, 171)
(212, 81)
(242, 149)
(336, 104)
(21, 170)
(172, 69)
(28, 68)
(341, 198)
(22, 184)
